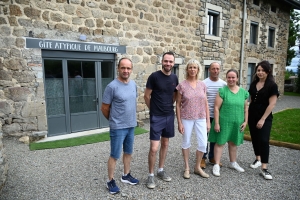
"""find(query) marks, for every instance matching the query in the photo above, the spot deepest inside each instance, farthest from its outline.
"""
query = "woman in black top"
(263, 96)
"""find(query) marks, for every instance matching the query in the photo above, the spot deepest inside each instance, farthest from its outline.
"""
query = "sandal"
(186, 174)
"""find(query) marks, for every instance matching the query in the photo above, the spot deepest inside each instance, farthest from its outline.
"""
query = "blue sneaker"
(112, 187)
(129, 179)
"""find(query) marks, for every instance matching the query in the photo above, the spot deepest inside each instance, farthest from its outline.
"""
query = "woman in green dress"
(230, 120)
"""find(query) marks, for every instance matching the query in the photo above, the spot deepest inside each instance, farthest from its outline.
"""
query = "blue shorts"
(161, 126)
(121, 138)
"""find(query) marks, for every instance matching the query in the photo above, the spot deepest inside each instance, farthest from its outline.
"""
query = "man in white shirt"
(213, 83)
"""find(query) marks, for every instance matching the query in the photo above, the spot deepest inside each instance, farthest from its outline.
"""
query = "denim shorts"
(121, 138)
(161, 126)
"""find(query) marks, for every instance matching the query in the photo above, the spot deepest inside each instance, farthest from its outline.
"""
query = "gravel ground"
(81, 172)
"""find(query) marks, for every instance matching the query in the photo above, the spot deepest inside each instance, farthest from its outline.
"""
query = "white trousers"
(200, 129)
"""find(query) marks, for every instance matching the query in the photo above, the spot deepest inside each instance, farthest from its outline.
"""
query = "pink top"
(193, 101)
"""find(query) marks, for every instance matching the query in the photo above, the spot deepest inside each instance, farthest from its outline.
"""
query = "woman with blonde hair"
(192, 113)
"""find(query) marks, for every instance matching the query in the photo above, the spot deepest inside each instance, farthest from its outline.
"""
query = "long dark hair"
(268, 69)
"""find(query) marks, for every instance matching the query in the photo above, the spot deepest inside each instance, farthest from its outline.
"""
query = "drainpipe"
(243, 41)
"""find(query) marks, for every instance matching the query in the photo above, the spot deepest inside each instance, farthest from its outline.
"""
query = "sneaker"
(255, 164)
(266, 174)
(236, 166)
(216, 170)
(112, 187)
(213, 162)
(129, 179)
(163, 175)
(203, 163)
(150, 182)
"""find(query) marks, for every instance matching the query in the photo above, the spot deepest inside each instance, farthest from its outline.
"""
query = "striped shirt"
(212, 90)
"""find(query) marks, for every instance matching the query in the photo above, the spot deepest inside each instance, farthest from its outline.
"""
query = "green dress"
(231, 117)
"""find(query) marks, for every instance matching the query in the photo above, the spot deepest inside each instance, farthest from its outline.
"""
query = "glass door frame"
(81, 56)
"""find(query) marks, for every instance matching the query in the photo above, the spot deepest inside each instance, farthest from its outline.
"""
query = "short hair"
(169, 53)
(124, 59)
(216, 63)
(193, 62)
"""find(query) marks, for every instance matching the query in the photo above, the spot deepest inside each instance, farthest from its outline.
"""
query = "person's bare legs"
(197, 169)
(199, 156)
(264, 165)
(152, 155)
(163, 151)
(126, 162)
(232, 149)
(218, 149)
(186, 153)
(111, 166)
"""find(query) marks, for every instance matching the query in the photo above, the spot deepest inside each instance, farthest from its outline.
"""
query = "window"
(175, 69)
(272, 72)
(253, 32)
(250, 74)
(273, 9)
(256, 2)
(212, 22)
(271, 37)
(206, 72)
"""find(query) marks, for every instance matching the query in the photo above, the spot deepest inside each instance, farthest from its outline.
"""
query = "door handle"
(96, 100)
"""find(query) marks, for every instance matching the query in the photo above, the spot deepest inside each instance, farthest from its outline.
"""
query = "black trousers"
(260, 137)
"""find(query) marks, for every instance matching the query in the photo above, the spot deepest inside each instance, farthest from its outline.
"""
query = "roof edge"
(293, 3)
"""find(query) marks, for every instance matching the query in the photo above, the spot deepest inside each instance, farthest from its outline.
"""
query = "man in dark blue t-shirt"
(160, 94)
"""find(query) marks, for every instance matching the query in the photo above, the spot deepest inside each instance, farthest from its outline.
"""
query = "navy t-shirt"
(163, 88)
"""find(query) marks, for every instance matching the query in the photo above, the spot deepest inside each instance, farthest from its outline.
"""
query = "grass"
(285, 126)
(90, 139)
(291, 94)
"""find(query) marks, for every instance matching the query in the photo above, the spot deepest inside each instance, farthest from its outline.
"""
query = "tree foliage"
(293, 35)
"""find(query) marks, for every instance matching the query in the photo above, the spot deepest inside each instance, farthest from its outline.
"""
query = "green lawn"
(291, 94)
(90, 139)
(285, 127)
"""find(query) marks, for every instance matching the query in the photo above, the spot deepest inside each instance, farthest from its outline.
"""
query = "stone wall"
(3, 164)
(146, 27)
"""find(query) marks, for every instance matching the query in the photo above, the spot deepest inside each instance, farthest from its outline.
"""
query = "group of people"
(217, 112)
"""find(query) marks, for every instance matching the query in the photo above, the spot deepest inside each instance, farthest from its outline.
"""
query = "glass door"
(82, 95)
(55, 97)
(107, 75)
(74, 85)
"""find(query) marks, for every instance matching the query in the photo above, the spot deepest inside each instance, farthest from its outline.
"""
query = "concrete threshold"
(73, 135)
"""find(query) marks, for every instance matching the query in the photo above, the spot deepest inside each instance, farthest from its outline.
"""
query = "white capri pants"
(200, 129)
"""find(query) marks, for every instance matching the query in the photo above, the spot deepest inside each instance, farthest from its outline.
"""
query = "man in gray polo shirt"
(119, 107)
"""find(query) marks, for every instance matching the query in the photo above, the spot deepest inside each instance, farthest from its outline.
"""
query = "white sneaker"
(236, 166)
(266, 174)
(216, 170)
(255, 164)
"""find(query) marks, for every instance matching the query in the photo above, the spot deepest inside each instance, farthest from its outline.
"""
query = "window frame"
(253, 33)
(271, 36)
(175, 69)
(251, 66)
(212, 22)
(206, 71)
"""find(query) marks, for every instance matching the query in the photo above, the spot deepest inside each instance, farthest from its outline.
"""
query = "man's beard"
(167, 70)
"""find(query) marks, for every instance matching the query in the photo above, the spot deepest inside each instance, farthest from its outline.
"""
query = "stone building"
(57, 56)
